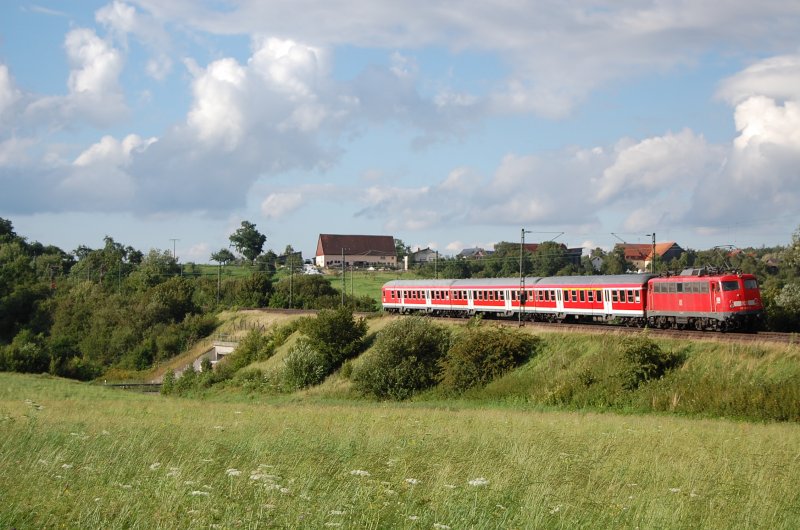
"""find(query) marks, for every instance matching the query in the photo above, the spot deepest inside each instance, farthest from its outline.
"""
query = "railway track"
(762, 336)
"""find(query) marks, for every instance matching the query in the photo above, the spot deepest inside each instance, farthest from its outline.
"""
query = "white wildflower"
(675, 490)
(480, 481)
(198, 493)
(219, 427)
(155, 465)
(441, 526)
(336, 512)
(125, 486)
(105, 432)
(97, 499)
(233, 472)
(237, 411)
(43, 462)
(66, 466)
(173, 472)
(360, 473)
(412, 481)
(450, 486)
(555, 509)
(693, 494)
(285, 491)
(413, 517)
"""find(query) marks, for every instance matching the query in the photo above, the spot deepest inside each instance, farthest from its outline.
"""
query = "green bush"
(304, 366)
(478, 355)
(404, 359)
(168, 383)
(645, 360)
(611, 376)
(336, 334)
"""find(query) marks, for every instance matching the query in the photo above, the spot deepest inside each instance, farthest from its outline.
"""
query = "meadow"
(74, 455)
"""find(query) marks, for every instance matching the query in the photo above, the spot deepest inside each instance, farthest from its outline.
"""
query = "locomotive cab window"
(750, 284)
(730, 285)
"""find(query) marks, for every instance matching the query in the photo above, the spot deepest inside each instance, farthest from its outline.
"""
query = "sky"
(449, 125)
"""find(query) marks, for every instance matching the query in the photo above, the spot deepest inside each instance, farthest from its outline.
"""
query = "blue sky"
(444, 125)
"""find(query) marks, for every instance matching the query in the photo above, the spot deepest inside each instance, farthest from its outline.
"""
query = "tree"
(223, 256)
(248, 241)
(401, 249)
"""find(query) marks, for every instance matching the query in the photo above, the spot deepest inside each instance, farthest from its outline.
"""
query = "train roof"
(613, 279)
(463, 284)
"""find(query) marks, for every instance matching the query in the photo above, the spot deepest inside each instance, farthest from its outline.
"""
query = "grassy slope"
(94, 457)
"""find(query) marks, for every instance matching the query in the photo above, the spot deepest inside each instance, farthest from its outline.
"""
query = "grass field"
(79, 456)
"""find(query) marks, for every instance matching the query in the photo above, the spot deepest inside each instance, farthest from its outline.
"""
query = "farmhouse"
(425, 255)
(355, 251)
(640, 254)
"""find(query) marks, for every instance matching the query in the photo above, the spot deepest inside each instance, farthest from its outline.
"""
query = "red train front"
(697, 299)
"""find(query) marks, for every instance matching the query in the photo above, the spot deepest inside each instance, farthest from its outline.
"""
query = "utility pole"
(653, 255)
(521, 275)
(344, 286)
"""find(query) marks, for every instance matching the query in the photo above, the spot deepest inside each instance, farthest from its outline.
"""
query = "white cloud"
(217, 114)
(654, 165)
(9, 94)
(278, 205)
(555, 55)
(775, 78)
(123, 19)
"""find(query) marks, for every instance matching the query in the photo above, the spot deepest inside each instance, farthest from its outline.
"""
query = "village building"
(359, 251)
(640, 254)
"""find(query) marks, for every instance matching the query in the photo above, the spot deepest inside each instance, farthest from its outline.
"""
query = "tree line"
(78, 314)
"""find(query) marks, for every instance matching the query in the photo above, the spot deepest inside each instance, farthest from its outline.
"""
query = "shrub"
(645, 360)
(403, 360)
(478, 355)
(336, 334)
(168, 383)
(304, 366)
(609, 377)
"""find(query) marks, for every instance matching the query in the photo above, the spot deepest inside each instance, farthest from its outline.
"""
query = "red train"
(695, 299)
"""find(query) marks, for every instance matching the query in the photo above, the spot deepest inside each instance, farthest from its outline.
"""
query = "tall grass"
(77, 456)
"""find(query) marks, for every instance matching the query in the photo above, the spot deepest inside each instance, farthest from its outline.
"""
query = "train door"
(559, 301)
(608, 309)
(716, 297)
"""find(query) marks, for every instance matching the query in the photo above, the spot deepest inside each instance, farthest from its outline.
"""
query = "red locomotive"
(696, 299)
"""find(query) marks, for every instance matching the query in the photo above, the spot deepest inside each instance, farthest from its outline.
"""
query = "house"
(640, 254)
(425, 255)
(573, 255)
(473, 253)
(335, 251)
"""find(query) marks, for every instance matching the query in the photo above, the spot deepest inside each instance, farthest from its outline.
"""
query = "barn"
(359, 251)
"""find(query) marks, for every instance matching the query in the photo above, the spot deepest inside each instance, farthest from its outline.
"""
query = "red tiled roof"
(331, 244)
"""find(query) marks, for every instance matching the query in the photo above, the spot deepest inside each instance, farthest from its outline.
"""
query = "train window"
(630, 297)
(566, 295)
(703, 287)
(750, 284)
(590, 296)
(638, 299)
(671, 288)
(679, 287)
(574, 295)
(614, 296)
(599, 296)
(502, 295)
(730, 285)
(583, 295)
(622, 296)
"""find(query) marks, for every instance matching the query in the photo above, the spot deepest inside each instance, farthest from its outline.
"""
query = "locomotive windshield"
(730, 285)
(750, 284)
